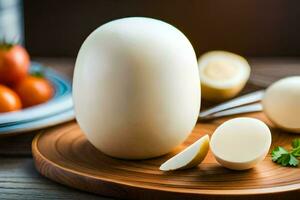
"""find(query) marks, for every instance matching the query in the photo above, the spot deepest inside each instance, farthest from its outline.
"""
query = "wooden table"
(20, 180)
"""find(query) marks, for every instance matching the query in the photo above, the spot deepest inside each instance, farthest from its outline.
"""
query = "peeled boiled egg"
(240, 143)
(223, 75)
(136, 88)
(281, 103)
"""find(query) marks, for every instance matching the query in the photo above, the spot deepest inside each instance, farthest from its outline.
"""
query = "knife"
(243, 104)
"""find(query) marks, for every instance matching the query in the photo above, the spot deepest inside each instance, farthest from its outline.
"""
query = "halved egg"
(223, 75)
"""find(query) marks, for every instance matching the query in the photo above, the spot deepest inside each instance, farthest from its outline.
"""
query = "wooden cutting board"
(64, 155)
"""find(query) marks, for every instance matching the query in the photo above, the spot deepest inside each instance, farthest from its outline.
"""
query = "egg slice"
(189, 157)
(281, 103)
(223, 75)
(241, 143)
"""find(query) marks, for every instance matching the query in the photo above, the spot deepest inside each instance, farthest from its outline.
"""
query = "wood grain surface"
(64, 155)
(20, 180)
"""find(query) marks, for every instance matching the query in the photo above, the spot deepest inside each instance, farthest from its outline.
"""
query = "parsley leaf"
(296, 143)
(287, 158)
(296, 152)
(296, 148)
(278, 152)
(293, 161)
(284, 159)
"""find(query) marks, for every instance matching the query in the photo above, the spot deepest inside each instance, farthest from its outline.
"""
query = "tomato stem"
(5, 45)
(39, 73)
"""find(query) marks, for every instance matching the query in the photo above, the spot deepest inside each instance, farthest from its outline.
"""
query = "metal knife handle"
(234, 111)
(239, 101)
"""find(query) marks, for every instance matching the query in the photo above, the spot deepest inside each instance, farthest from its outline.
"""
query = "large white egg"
(281, 103)
(136, 88)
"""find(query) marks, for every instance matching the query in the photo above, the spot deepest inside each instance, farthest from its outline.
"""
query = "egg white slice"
(189, 157)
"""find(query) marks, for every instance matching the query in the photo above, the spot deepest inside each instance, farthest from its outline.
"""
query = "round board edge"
(107, 187)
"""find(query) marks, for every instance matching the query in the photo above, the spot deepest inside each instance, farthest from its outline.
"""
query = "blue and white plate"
(59, 109)
(39, 123)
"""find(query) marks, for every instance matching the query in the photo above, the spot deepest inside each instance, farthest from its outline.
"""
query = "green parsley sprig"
(287, 158)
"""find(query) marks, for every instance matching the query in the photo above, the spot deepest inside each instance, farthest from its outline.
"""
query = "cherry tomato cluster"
(18, 88)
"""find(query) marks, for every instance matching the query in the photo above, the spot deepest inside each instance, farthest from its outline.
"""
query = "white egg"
(281, 103)
(240, 143)
(136, 88)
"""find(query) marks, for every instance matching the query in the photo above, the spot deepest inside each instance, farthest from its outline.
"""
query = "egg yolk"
(220, 70)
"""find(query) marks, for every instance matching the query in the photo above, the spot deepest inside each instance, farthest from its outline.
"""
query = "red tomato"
(9, 100)
(34, 90)
(14, 63)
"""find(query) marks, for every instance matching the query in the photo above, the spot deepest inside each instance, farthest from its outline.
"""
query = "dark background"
(247, 27)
